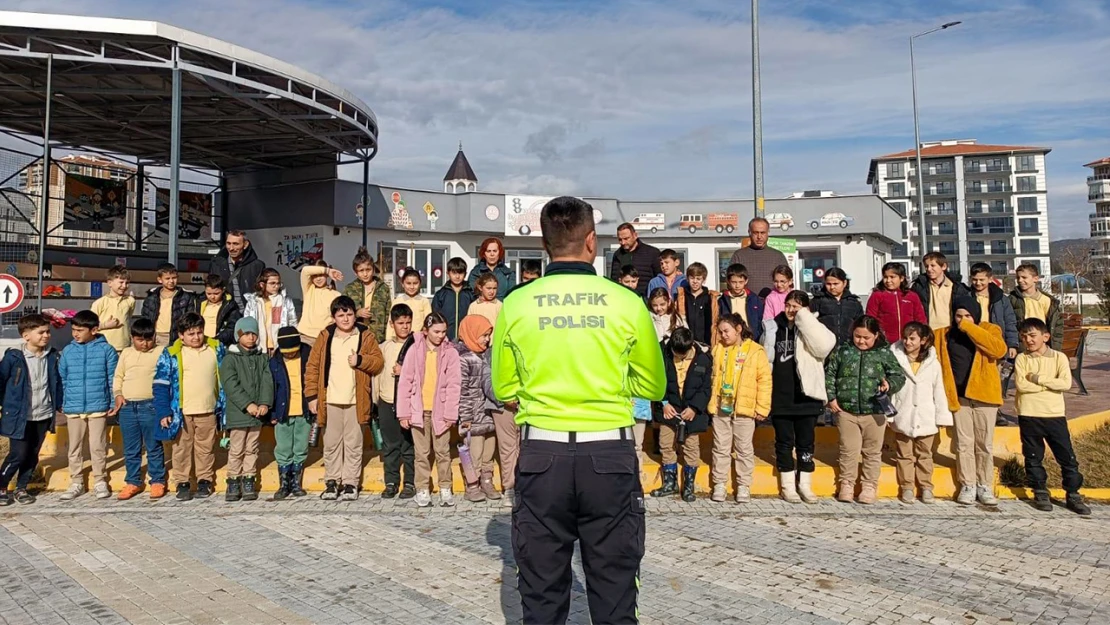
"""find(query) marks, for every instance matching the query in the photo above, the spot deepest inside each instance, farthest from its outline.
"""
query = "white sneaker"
(75, 490)
(743, 494)
(927, 496)
(985, 496)
(966, 496)
(446, 499)
(423, 498)
(508, 497)
(102, 491)
(719, 494)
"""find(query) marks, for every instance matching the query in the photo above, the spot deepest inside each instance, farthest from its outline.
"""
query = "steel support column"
(175, 164)
(140, 204)
(44, 207)
(757, 115)
(365, 196)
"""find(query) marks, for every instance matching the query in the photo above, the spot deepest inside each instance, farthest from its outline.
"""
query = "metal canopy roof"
(112, 85)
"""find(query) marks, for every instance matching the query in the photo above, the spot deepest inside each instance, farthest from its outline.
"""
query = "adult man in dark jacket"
(644, 257)
(758, 258)
(239, 266)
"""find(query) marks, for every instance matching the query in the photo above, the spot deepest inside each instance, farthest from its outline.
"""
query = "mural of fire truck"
(718, 222)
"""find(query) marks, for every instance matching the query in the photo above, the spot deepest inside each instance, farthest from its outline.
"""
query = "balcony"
(939, 172)
(991, 188)
(990, 210)
(987, 231)
(941, 192)
(993, 251)
(934, 212)
(986, 169)
(1097, 177)
(1098, 190)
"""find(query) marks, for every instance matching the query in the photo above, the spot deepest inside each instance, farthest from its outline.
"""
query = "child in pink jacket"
(428, 404)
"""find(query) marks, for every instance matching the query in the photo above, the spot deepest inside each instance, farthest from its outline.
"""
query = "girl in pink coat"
(894, 304)
(428, 404)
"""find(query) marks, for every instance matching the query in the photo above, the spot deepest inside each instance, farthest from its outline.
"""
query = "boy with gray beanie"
(249, 387)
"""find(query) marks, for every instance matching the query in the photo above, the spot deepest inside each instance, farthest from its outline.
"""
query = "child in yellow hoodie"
(1043, 375)
(318, 292)
(740, 398)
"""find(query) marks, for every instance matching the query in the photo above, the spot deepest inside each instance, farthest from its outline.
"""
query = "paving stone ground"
(375, 561)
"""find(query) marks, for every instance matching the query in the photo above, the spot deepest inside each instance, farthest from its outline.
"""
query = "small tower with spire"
(460, 176)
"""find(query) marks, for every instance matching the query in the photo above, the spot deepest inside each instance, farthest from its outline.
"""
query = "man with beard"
(238, 265)
(758, 258)
(644, 257)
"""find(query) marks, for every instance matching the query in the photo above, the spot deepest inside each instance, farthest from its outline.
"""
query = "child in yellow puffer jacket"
(741, 397)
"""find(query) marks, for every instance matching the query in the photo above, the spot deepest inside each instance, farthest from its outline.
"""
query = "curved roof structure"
(112, 81)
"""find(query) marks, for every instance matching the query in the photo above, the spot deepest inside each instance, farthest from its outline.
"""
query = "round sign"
(597, 216)
(819, 273)
(437, 272)
(396, 197)
(11, 293)
(400, 272)
(492, 212)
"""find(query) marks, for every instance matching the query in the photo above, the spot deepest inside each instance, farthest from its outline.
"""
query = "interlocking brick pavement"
(375, 561)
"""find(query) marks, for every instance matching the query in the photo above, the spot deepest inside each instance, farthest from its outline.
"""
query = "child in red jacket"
(894, 304)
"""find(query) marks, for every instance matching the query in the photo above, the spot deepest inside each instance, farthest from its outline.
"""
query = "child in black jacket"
(685, 415)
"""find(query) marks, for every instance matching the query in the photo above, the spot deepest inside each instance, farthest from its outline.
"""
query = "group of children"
(919, 357)
(197, 372)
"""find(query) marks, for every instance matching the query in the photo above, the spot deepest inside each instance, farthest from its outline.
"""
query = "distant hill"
(1055, 248)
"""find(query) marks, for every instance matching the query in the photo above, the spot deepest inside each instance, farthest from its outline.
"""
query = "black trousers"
(23, 454)
(585, 491)
(794, 433)
(1035, 432)
(398, 446)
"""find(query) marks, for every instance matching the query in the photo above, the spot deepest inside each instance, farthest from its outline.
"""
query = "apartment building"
(983, 203)
(1098, 193)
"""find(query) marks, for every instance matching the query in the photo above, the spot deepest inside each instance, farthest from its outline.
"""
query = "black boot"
(1076, 504)
(390, 491)
(670, 482)
(205, 489)
(689, 482)
(295, 478)
(233, 493)
(1041, 500)
(247, 484)
(284, 477)
(183, 493)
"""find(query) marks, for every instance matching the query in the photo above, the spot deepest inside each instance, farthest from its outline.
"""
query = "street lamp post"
(917, 135)
(757, 115)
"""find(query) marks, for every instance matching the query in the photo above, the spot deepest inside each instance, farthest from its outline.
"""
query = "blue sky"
(647, 99)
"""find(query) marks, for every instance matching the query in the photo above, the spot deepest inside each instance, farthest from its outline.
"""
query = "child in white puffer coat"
(922, 409)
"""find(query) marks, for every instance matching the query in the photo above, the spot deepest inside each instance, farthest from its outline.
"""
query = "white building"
(1098, 193)
(983, 203)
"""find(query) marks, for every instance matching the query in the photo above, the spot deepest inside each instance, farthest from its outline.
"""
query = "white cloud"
(651, 99)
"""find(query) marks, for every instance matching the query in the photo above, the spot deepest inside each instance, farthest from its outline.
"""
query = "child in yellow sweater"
(1043, 375)
(318, 291)
(740, 398)
(421, 306)
(116, 308)
(487, 304)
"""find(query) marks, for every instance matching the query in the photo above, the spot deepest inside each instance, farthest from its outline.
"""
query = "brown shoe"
(474, 494)
(157, 491)
(846, 492)
(867, 494)
(128, 492)
(488, 489)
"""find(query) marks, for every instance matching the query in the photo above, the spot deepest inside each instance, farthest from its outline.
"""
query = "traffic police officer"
(572, 349)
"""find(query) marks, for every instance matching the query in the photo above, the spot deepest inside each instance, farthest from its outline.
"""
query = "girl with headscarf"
(475, 419)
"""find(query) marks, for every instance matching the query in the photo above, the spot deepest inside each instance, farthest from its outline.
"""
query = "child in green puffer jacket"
(854, 374)
(249, 387)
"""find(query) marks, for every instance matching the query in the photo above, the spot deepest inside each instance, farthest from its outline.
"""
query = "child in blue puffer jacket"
(87, 367)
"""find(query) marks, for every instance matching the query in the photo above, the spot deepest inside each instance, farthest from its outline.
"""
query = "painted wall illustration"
(95, 204)
(194, 217)
(298, 250)
(399, 218)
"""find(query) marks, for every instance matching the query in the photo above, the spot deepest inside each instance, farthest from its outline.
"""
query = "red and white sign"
(11, 293)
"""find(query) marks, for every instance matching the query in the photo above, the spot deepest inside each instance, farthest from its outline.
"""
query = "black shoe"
(5, 498)
(183, 493)
(25, 498)
(1041, 501)
(350, 493)
(233, 492)
(331, 491)
(285, 475)
(407, 492)
(390, 491)
(670, 482)
(689, 483)
(249, 492)
(295, 479)
(205, 489)
(1074, 503)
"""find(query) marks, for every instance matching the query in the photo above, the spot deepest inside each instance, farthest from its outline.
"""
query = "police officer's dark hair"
(682, 339)
(565, 222)
(400, 311)
(85, 319)
(343, 303)
(456, 265)
(628, 271)
(433, 319)
(142, 328)
(735, 320)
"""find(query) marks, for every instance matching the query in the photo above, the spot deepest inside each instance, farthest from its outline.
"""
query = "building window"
(975, 206)
(947, 248)
(895, 170)
(1036, 263)
(896, 189)
(1030, 246)
(1028, 226)
(1027, 205)
(1000, 267)
(1027, 162)
(431, 262)
(513, 259)
(971, 165)
(899, 206)
(975, 247)
(946, 227)
(995, 164)
(1026, 183)
(976, 186)
(999, 247)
